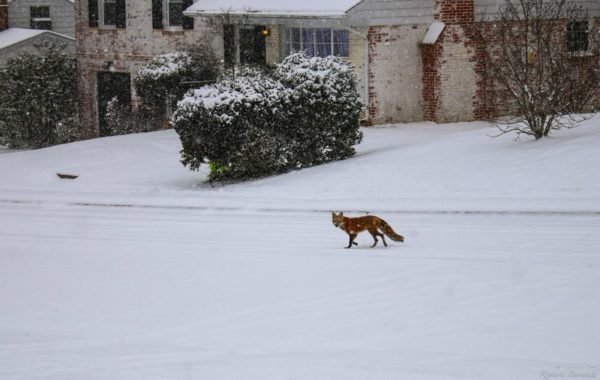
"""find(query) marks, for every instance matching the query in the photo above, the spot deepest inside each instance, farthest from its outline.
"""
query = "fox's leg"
(374, 234)
(352, 237)
(382, 238)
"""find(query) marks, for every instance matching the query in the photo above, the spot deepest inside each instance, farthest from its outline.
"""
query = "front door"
(253, 46)
(111, 85)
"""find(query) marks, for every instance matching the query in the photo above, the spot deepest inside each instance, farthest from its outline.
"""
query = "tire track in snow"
(298, 210)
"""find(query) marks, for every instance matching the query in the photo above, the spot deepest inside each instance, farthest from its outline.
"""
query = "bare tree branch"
(542, 62)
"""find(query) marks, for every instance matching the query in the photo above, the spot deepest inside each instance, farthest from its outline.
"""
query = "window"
(316, 42)
(40, 17)
(245, 44)
(174, 12)
(109, 12)
(168, 14)
(577, 36)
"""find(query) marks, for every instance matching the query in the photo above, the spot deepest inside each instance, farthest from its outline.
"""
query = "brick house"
(414, 59)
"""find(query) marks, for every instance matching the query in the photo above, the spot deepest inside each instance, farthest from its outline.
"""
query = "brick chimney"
(454, 11)
(3, 15)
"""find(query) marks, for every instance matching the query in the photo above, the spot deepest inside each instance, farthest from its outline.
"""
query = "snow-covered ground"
(138, 269)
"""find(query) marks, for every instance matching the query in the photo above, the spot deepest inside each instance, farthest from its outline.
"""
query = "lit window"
(316, 42)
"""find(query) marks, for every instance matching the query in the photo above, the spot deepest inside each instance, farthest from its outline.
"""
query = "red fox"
(371, 223)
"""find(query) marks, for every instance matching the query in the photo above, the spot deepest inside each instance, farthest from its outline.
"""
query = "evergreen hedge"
(38, 99)
(303, 113)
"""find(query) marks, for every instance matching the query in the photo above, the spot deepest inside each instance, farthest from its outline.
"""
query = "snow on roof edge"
(265, 14)
(237, 7)
(12, 36)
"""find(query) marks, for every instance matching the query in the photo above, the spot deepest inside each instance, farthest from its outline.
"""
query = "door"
(111, 85)
(253, 45)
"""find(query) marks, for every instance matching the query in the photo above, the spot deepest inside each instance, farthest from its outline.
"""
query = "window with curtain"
(316, 42)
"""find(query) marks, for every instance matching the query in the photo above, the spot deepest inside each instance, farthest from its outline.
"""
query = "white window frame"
(34, 20)
(588, 32)
(101, 19)
(166, 18)
(287, 45)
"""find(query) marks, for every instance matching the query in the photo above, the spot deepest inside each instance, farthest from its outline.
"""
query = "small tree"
(38, 99)
(542, 59)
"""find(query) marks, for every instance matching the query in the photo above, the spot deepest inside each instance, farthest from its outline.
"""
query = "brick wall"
(457, 90)
(454, 11)
(358, 59)
(3, 15)
(395, 70)
(124, 50)
(451, 83)
(430, 55)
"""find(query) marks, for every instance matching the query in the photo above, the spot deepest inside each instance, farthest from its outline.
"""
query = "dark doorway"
(253, 45)
(111, 85)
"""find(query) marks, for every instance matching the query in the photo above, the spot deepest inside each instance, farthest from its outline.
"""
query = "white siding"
(29, 46)
(392, 12)
(62, 13)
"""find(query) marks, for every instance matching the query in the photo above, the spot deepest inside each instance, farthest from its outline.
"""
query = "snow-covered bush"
(305, 113)
(324, 106)
(235, 125)
(38, 99)
(171, 75)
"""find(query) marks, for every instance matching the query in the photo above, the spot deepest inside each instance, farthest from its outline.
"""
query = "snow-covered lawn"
(138, 269)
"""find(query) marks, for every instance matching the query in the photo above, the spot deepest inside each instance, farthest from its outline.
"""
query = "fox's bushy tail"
(389, 232)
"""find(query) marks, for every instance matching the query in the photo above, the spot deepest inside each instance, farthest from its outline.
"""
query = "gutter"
(265, 15)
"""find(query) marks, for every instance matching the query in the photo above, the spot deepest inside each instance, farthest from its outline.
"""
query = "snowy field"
(138, 269)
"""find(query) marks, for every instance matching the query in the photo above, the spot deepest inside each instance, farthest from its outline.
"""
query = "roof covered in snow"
(273, 8)
(13, 36)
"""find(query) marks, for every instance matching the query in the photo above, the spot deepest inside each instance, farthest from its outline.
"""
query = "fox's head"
(337, 219)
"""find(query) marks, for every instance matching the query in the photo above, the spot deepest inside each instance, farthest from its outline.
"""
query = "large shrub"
(305, 113)
(38, 99)
(324, 107)
(235, 125)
